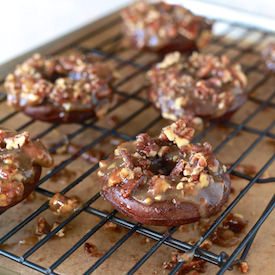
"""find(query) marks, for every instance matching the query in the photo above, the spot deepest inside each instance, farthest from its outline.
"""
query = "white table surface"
(27, 24)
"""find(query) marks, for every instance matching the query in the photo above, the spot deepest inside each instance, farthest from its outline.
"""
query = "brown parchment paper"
(262, 253)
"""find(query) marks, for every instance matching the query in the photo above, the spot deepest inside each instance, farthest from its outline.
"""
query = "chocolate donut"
(164, 28)
(60, 89)
(269, 56)
(20, 166)
(203, 86)
(165, 180)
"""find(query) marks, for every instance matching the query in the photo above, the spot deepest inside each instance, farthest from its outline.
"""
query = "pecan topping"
(170, 59)
(158, 185)
(156, 25)
(16, 141)
(178, 133)
(18, 156)
(147, 145)
(201, 86)
(11, 191)
(115, 178)
(164, 168)
(196, 165)
(71, 83)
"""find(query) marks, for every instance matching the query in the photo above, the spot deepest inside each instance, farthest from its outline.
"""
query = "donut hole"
(56, 74)
(3, 145)
(54, 77)
(70, 75)
(161, 166)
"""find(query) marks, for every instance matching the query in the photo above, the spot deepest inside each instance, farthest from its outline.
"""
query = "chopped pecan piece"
(42, 227)
(243, 267)
(146, 145)
(62, 205)
(127, 158)
(179, 168)
(158, 185)
(169, 60)
(113, 121)
(178, 133)
(192, 263)
(228, 233)
(112, 226)
(197, 163)
(61, 232)
(92, 250)
(16, 141)
(31, 197)
(204, 180)
(128, 187)
(126, 173)
(114, 178)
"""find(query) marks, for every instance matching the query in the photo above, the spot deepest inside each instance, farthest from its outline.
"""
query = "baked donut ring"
(163, 28)
(60, 89)
(269, 56)
(203, 86)
(165, 180)
(20, 166)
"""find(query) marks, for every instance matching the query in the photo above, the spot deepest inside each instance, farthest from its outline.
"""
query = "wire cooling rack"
(243, 41)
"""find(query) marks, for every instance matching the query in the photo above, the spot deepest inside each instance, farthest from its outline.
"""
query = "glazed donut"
(20, 166)
(164, 28)
(269, 56)
(165, 180)
(62, 89)
(203, 86)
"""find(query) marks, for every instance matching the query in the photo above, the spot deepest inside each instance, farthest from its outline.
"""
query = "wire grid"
(108, 50)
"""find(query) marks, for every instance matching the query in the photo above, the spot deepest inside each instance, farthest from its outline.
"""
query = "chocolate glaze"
(159, 213)
(142, 192)
(51, 113)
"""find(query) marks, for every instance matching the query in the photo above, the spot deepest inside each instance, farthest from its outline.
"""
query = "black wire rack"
(109, 51)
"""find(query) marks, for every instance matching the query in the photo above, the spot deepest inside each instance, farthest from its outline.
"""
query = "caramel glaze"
(203, 85)
(180, 186)
(20, 166)
(164, 28)
(65, 89)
